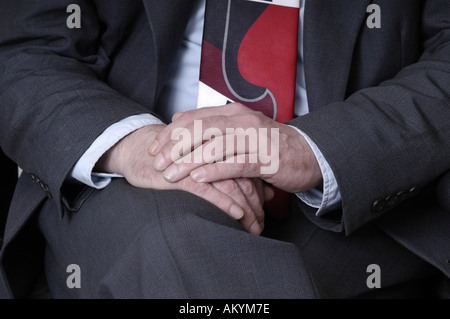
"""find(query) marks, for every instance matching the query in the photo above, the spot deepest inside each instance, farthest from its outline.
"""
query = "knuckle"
(212, 122)
(239, 106)
(218, 121)
(259, 114)
(229, 187)
(283, 137)
(187, 115)
(247, 186)
(242, 165)
(253, 120)
(260, 119)
(199, 189)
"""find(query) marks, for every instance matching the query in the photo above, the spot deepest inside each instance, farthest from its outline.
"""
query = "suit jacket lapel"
(168, 20)
(331, 31)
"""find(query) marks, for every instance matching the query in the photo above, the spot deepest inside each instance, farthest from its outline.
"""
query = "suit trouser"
(137, 243)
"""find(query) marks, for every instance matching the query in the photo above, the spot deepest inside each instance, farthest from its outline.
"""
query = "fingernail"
(171, 173)
(255, 229)
(159, 162)
(153, 147)
(198, 175)
(236, 212)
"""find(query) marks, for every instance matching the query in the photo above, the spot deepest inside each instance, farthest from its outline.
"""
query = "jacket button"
(402, 196)
(413, 191)
(392, 201)
(379, 205)
(34, 178)
(44, 187)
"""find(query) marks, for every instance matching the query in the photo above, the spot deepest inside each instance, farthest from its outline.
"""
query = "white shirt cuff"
(82, 171)
(329, 198)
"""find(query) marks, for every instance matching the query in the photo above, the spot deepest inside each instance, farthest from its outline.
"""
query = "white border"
(284, 3)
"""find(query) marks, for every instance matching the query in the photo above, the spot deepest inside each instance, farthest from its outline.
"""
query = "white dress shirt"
(180, 94)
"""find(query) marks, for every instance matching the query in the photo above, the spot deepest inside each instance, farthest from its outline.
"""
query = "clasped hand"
(229, 176)
(234, 142)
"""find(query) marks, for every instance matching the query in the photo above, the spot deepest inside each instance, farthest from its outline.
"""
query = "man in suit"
(378, 102)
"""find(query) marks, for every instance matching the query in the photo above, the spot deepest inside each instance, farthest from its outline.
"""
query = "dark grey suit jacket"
(380, 102)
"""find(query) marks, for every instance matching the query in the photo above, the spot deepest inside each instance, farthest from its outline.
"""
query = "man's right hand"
(242, 199)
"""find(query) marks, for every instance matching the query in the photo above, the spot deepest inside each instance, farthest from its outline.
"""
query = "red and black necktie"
(249, 55)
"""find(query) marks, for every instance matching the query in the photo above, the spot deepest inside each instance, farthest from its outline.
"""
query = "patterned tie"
(249, 55)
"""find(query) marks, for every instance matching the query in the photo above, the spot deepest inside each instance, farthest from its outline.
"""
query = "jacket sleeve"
(383, 143)
(54, 99)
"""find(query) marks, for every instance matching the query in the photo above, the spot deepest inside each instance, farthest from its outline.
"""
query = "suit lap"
(138, 243)
(339, 263)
